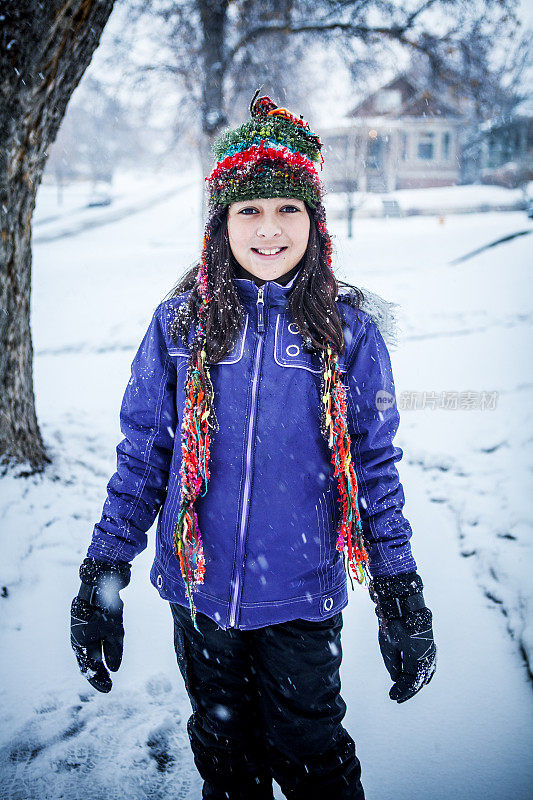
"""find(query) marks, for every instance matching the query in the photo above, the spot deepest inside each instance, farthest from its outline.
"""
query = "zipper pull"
(260, 310)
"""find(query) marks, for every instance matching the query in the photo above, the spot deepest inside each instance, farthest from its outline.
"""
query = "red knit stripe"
(258, 153)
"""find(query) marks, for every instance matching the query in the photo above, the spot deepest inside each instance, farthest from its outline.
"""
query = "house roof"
(416, 101)
(427, 104)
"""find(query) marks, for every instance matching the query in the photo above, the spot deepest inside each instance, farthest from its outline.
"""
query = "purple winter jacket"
(269, 515)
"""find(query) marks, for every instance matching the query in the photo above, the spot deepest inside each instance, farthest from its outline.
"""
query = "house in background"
(400, 137)
(506, 153)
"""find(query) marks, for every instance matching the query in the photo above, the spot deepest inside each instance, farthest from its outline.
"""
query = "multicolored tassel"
(198, 419)
(350, 541)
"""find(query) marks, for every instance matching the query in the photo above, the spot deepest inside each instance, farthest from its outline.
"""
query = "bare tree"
(44, 50)
(98, 133)
(286, 77)
(206, 45)
(219, 51)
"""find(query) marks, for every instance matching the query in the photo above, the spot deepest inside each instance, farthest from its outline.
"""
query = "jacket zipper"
(248, 475)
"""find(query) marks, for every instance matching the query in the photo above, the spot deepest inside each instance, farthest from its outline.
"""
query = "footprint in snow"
(133, 744)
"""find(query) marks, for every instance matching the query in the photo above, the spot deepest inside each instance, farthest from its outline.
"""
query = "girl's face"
(268, 237)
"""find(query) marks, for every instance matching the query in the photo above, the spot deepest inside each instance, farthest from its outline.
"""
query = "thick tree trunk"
(44, 50)
(213, 16)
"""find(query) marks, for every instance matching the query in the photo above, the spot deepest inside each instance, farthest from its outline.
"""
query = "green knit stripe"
(266, 185)
(275, 129)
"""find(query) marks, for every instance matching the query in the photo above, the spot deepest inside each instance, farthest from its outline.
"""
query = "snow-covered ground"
(78, 207)
(467, 477)
(435, 200)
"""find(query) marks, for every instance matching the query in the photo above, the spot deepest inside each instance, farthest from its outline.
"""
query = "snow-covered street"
(464, 381)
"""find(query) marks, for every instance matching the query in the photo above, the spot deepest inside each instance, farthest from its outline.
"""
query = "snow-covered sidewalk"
(466, 735)
(76, 212)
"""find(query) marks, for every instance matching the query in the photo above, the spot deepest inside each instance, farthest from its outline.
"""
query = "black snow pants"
(266, 703)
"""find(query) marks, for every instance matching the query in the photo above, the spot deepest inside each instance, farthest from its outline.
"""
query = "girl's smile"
(268, 237)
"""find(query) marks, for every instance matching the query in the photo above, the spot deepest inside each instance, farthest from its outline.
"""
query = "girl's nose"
(268, 228)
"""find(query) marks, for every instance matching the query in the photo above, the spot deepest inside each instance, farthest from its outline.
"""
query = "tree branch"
(363, 32)
(420, 10)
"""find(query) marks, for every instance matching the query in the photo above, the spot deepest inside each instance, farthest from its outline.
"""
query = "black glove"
(405, 634)
(96, 620)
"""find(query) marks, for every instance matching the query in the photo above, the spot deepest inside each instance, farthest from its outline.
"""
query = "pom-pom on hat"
(274, 154)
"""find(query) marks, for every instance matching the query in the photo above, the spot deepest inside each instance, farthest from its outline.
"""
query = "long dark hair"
(214, 308)
(311, 301)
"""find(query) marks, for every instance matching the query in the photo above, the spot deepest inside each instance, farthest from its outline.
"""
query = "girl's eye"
(250, 210)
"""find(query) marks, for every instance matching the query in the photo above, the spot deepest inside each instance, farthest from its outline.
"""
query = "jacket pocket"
(289, 350)
(288, 347)
(325, 510)
(181, 354)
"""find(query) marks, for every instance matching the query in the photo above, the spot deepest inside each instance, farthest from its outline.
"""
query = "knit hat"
(274, 154)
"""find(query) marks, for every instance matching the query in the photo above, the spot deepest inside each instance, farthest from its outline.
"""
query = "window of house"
(404, 145)
(517, 142)
(374, 151)
(446, 142)
(426, 146)
(529, 135)
(494, 151)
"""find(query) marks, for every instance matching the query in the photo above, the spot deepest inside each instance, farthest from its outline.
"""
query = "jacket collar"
(274, 294)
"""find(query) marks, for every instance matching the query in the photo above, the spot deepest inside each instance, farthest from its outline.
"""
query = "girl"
(259, 418)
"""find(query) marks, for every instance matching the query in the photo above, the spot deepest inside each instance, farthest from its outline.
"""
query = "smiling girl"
(252, 423)
(268, 237)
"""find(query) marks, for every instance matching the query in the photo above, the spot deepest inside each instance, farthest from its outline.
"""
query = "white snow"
(434, 200)
(466, 474)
